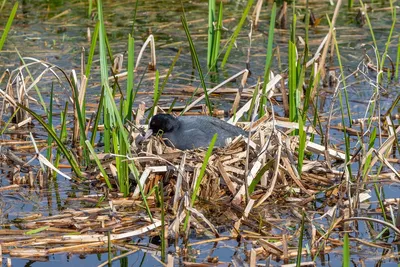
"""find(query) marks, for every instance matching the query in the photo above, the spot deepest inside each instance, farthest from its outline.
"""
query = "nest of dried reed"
(267, 163)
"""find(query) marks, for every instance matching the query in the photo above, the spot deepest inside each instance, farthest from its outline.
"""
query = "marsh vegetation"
(315, 84)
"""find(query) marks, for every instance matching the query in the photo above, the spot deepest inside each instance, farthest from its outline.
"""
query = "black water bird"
(188, 132)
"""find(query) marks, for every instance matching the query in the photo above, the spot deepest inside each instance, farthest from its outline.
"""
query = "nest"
(267, 162)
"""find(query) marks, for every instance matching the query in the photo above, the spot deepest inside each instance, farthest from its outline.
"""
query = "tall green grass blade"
(80, 110)
(200, 178)
(163, 233)
(156, 95)
(307, 22)
(90, 8)
(2, 5)
(89, 63)
(316, 120)
(310, 85)
(87, 74)
(300, 241)
(389, 38)
(268, 165)
(134, 18)
(124, 170)
(268, 61)
(372, 32)
(50, 123)
(236, 32)
(217, 39)
(397, 59)
(171, 107)
(350, 3)
(171, 68)
(343, 116)
(393, 106)
(211, 32)
(118, 160)
(71, 159)
(122, 167)
(294, 101)
(111, 112)
(346, 251)
(130, 92)
(9, 121)
(116, 85)
(158, 92)
(108, 118)
(380, 195)
(143, 195)
(309, 89)
(302, 145)
(203, 168)
(96, 159)
(97, 118)
(253, 100)
(197, 62)
(8, 25)
(371, 143)
(63, 136)
(121, 164)
(382, 234)
(138, 85)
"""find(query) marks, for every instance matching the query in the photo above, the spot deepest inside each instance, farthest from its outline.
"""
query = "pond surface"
(56, 32)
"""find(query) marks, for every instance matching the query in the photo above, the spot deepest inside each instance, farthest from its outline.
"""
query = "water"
(56, 31)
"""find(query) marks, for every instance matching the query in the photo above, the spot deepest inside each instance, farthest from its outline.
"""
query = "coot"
(188, 132)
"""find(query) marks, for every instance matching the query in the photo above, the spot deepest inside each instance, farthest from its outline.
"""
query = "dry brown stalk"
(276, 170)
(212, 240)
(271, 248)
(9, 187)
(321, 68)
(231, 185)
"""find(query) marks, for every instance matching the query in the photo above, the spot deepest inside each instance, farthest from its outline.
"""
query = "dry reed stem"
(276, 170)
(153, 62)
(383, 148)
(181, 172)
(321, 68)
(239, 92)
(256, 12)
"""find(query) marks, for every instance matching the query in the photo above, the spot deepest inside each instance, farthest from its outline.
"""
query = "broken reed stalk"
(153, 62)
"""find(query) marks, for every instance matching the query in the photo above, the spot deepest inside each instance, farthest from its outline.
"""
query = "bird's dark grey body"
(188, 132)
